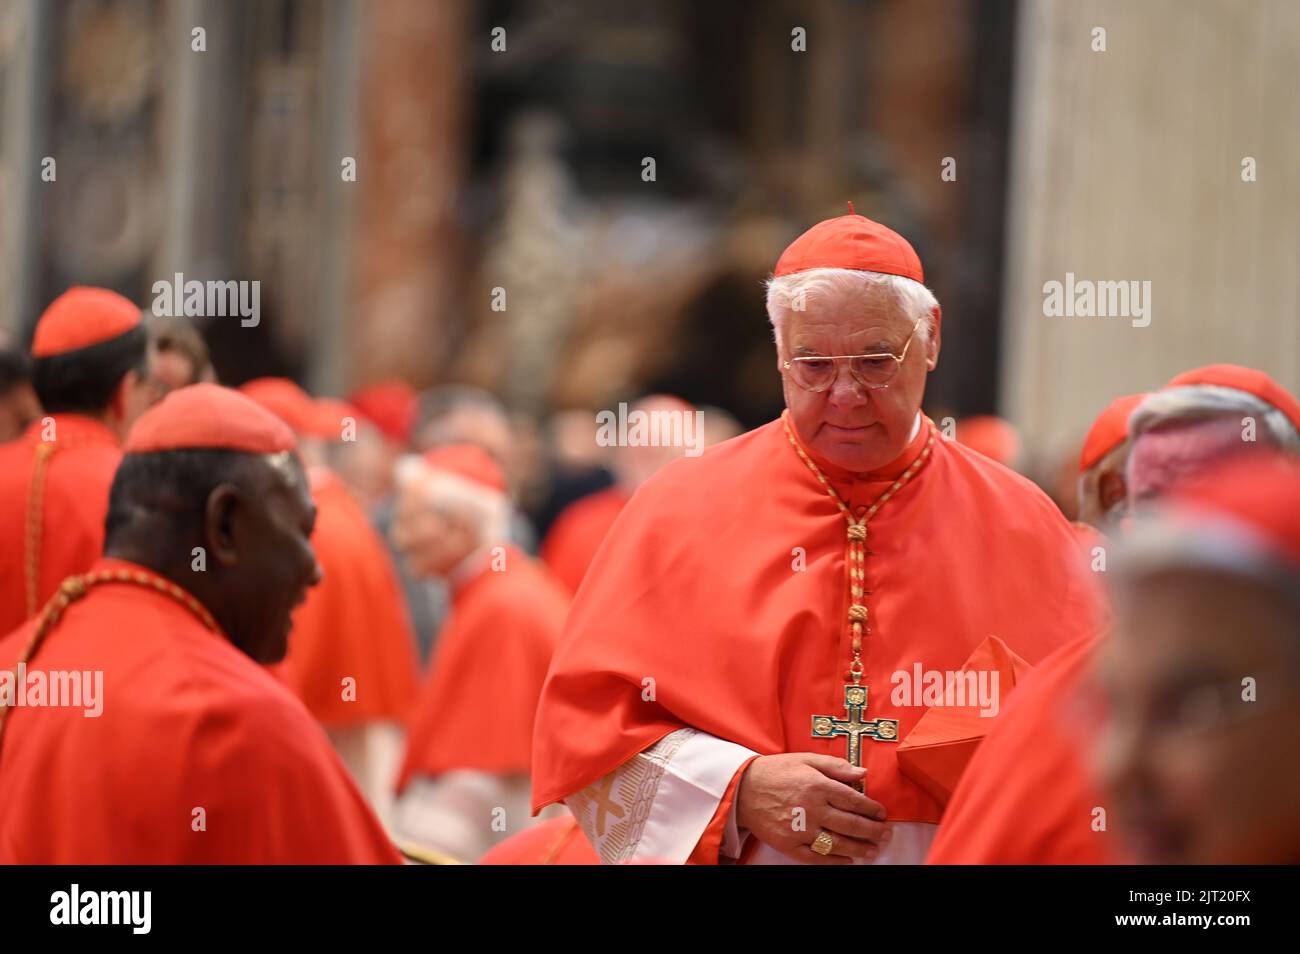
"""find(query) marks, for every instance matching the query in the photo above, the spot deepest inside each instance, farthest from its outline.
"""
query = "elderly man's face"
(848, 425)
(274, 561)
(1198, 773)
(431, 542)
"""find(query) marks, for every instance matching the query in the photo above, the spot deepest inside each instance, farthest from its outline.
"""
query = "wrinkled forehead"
(876, 316)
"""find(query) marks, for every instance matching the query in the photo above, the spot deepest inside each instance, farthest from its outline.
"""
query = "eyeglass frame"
(836, 358)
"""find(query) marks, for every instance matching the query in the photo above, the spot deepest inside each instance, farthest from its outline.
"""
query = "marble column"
(1127, 165)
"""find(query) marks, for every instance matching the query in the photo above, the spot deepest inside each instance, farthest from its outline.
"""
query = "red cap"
(1260, 492)
(82, 317)
(469, 461)
(391, 406)
(1109, 430)
(296, 407)
(210, 417)
(1242, 379)
(851, 241)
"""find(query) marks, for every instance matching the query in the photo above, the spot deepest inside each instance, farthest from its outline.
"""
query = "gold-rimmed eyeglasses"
(872, 371)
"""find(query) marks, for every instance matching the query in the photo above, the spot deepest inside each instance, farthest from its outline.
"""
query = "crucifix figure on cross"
(855, 726)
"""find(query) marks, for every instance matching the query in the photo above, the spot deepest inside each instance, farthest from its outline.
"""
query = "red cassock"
(1027, 796)
(573, 541)
(354, 624)
(556, 841)
(724, 582)
(188, 723)
(476, 707)
(53, 499)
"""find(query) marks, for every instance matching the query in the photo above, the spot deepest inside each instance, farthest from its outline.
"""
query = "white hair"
(1197, 402)
(486, 511)
(797, 292)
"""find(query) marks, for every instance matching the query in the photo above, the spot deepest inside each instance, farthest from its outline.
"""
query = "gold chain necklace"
(35, 511)
(856, 726)
(857, 533)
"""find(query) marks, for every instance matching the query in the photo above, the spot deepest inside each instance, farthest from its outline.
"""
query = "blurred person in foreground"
(737, 634)
(90, 374)
(465, 778)
(1027, 796)
(1201, 676)
(196, 755)
(351, 656)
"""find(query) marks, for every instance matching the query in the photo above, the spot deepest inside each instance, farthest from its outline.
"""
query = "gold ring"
(823, 844)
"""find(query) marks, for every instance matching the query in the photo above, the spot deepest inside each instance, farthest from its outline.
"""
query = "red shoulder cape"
(199, 755)
(719, 600)
(476, 707)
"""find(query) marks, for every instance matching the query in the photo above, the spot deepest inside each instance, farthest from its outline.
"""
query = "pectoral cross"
(855, 726)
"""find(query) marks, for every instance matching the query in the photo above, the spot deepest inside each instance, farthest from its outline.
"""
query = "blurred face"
(1198, 774)
(1103, 492)
(1164, 457)
(847, 425)
(432, 542)
(135, 395)
(366, 464)
(637, 463)
(170, 369)
(18, 408)
(274, 563)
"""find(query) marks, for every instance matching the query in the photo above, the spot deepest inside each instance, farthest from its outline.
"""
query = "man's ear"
(1111, 490)
(221, 524)
(119, 404)
(932, 346)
